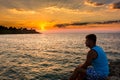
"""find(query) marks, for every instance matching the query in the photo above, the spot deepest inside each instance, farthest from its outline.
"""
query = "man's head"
(91, 40)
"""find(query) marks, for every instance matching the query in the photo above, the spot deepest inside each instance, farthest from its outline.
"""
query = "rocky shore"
(114, 70)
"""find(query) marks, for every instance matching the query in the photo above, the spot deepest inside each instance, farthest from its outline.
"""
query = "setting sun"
(45, 26)
(42, 26)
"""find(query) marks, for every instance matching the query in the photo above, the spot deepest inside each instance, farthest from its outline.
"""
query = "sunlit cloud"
(92, 3)
(115, 5)
(55, 9)
(44, 14)
(39, 4)
(21, 11)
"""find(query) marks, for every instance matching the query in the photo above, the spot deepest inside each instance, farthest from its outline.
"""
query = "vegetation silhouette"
(13, 30)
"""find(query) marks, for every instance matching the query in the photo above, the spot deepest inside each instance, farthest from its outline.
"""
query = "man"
(96, 64)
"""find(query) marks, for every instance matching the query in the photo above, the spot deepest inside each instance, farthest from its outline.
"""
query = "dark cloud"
(85, 23)
(61, 25)
(115, 5)
(71, 24)
(93, 3)
(98, 3)
(78, 23)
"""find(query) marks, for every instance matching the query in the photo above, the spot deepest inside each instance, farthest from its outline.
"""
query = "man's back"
(100, 64)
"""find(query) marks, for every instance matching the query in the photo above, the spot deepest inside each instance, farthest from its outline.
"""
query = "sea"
(49, 56)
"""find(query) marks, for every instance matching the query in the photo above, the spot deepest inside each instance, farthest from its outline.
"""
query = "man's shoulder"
(92, 53)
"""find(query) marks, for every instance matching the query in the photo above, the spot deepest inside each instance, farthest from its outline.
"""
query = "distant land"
(13, 30)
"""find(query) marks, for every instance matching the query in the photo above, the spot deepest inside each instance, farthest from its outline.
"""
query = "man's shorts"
(91, 74)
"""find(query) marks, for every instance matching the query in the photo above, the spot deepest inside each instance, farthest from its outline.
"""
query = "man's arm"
(90, 56)
(82, 68)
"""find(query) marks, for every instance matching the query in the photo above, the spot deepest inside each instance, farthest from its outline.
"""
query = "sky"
(43, 15)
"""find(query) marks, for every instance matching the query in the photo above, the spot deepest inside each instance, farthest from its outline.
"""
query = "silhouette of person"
(96, 65)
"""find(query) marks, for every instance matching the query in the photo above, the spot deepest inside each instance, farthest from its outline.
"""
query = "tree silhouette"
(14, 30)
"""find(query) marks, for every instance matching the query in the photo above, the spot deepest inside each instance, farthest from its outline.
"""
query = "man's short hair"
(92, 37)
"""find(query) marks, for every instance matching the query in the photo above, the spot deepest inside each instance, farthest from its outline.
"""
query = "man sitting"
(96, 64)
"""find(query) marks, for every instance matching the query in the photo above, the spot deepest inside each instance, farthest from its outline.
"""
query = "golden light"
(45, 26)
(42, 26)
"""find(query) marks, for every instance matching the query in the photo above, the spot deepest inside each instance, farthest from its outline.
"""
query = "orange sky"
(43, 15)
(115, 27)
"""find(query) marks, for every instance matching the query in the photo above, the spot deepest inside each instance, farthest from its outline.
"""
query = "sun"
(45, 26)
(42, 26)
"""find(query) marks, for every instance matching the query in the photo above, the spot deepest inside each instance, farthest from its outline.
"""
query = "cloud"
(55, 9)
(37, 4)
(93, 3)
(71, 24)
(21, 11)
(61, 11)
(115, 5)
(85, 23)
(68, 4)
(61, 25)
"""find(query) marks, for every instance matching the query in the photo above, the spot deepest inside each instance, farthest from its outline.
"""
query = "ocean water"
(49, 56)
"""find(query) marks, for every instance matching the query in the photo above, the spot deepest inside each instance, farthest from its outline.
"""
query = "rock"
(114, 70)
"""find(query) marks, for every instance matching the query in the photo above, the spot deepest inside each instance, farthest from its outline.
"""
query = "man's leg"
(74, 75)
(82, 74)
(78, 74)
